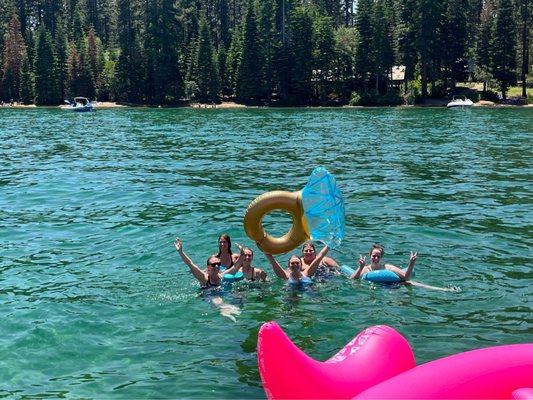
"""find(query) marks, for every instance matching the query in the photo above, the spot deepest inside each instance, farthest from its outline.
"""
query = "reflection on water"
(98, 304)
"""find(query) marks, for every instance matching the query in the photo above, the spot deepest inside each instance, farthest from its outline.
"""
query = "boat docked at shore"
(460, 102)
(80, 104)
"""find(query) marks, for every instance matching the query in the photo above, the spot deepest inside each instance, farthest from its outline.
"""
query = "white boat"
(460, 101)
(80, 104)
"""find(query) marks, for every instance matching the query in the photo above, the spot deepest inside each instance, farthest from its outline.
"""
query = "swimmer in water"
(376, 256)
(327, 266)
(295, 273)
(250, 272)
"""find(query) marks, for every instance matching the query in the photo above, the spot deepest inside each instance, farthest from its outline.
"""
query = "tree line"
(282, 52)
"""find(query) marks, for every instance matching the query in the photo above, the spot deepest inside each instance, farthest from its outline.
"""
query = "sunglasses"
(214, 264)
(295, 263)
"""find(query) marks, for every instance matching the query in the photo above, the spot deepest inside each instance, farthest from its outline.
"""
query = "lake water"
(96, 303)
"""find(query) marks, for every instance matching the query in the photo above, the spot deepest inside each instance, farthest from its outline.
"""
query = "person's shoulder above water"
(376, 263)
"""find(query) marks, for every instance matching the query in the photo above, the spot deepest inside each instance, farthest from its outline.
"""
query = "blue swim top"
(304, 280)
(324, 208)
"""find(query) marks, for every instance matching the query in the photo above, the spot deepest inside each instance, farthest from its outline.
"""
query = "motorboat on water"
(460, 101)
(80, 104)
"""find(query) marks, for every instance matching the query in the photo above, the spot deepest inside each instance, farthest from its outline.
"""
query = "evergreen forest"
(260, 52)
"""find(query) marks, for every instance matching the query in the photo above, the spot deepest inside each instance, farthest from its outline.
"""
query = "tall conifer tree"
(504, 46)
(13, 57)
(207, 78)
(45, 67)
(249, 80)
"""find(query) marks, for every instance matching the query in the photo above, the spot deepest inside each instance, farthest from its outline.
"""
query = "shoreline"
(233, 105)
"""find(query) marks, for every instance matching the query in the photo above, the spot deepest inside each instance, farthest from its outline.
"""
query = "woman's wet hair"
(226, 237)
(378, 247)
(247, 248)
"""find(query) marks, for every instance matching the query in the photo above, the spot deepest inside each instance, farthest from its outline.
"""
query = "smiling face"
(248, 256)
(224, 243)
(213, 266)
(375, 256)
(294, 264)
(309, 252)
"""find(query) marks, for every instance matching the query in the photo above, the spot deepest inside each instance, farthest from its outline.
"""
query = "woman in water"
(295, 273)
(211, 276)
(376, 255)
(249, 272)
(225, 255)
(327, 265)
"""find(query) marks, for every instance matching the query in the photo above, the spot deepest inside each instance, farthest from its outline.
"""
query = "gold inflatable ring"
(277, 200)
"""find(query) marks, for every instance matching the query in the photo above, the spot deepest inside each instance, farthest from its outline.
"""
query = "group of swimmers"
(300, 269)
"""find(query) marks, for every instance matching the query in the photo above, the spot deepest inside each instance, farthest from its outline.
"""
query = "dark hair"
(226, 237)
(211, 257)
(378, 247)
(309, 243)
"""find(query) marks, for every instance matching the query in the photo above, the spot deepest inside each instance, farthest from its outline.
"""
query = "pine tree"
(301, 56)
(225, 37)
(233, 61)
(45, 68)
(408, 37)
(384, 44)
(249, 81)
(345, 50)
(504, 46)
(26, 82)
(13, 57)
(323, 54)
(268, 43)
(207, 78)
(365, 57)
(484, 40)
(128, 70)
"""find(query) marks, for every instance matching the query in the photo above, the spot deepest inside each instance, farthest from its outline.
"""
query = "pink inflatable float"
(374, 355)
(379, 364)
(523, 394)
(491, 373)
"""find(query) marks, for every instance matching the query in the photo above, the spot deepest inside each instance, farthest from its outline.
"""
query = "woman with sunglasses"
(327, 266)
(376, 255)
(211, 276)
(295, 273)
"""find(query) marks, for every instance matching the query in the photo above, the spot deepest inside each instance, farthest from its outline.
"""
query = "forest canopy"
(271, 52)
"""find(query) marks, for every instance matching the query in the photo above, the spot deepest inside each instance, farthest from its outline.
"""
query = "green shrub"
(490, 95)
(413, 93)
(354, 99)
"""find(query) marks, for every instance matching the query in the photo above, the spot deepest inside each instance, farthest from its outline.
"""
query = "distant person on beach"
(327, 266)
(295, 273)
(376, 263)
(244, 262)
(211, 276)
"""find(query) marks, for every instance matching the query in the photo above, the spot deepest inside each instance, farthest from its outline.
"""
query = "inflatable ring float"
(317, 213)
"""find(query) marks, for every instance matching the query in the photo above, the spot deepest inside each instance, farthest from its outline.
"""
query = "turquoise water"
(97, 304)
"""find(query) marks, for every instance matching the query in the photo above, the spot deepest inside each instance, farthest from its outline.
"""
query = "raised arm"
(280, 272)
(309, 272)
(362, 262)
(411, 266)
(196, 271)
(404, 274)
(237, 262)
